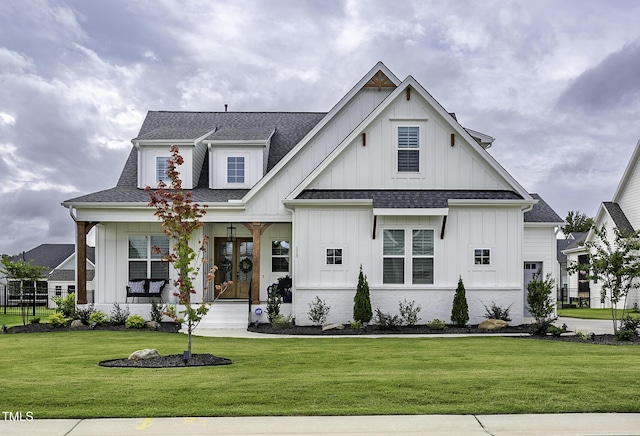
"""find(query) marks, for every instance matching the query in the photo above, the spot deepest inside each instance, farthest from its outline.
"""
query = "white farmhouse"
(623, 213)
(387, 179)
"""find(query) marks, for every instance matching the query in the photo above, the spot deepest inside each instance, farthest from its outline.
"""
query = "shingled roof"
(430, 199)
(290, 128)
(619, 218)
(51, 255)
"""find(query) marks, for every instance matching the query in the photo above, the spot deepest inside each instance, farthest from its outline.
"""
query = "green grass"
(11, 320)
(55, 375)
(586, 313)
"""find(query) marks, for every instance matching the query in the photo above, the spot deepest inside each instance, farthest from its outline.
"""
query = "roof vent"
(225, 107)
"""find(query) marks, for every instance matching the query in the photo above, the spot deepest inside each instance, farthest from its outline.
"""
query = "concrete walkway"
(496, 425)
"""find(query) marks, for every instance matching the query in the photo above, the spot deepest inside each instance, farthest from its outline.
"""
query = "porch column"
(256, 230)
(82, 228)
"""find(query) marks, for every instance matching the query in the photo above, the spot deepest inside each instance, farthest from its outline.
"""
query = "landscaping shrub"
(624, 335)
(35, 320)
(460, 309)
(281, 321)
(85, 314)
(157, 310)
(437, 324)
(57, 320)
(540, 301)
(386, 321)
(135, 322)
(66, 305)
(409, 312)
(119, 315)
(496, 312)
(362, 301)
(555, 331)
(318, 311)
(356, 325)
(628, 323)
(98, 317)
(274, 300)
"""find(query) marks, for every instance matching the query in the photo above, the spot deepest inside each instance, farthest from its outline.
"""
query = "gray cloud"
(77, 77)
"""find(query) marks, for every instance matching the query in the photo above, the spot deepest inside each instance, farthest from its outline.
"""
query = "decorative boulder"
(76, 324)
(332, 326)
(148, 353)
(152, 325)
(492, 324)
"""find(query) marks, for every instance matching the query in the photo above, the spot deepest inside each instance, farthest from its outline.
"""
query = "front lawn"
(55, 375)
(586, 313)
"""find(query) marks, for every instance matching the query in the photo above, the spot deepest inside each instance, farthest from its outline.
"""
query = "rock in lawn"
(152, 325)
(492, 324)
(332, 326)
(148, 353)
(76, 324)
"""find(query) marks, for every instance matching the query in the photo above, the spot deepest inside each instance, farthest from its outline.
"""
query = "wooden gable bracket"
(408, 93)
(379, 81)
(444, 225)
(364, 139)
(375, 222)
(453, 139)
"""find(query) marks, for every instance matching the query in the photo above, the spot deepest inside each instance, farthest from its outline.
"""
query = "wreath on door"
(246, 265)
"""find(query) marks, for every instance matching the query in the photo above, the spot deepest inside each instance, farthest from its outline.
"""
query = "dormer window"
(408, 149)
(235, 169)
(161, 169)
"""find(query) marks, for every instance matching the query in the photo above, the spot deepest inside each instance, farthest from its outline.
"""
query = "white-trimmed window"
(408, 149)
(334, 256)
(280, 256)
(397, 261)
(481, 256)
(161, 169)
(235, 169)
(144, 261)
(58, 290)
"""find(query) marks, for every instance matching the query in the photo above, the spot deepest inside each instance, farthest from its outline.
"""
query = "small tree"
(318, 311)
(22, 272)
(540, 302)
(615, 264)
(180, 218)
(460, 308)
(362, 301)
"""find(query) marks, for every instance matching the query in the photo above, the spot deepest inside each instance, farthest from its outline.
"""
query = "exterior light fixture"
(231, 233)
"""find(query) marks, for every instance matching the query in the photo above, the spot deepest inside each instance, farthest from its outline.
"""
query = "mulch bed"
(524, 330)
(166, 327)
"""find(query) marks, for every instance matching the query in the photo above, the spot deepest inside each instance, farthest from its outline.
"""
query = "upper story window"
(235, 169)
(161, 169)
(408, 149)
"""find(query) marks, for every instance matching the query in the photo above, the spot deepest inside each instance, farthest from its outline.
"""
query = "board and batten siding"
(350, 228)
(267, 204)
(629, 199)
(373, 166)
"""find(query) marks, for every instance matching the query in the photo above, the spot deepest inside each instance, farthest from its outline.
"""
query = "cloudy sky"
(557, 83)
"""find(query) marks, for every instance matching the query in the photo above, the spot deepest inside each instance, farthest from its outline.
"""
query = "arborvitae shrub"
(460, 309)
(362, 302)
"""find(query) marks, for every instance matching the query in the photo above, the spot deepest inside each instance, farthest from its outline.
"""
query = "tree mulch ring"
(42, 327)
(169, 361)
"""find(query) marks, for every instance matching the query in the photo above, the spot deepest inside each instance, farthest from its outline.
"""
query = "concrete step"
(226, 315)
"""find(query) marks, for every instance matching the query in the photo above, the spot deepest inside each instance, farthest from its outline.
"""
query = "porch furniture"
(148, 288)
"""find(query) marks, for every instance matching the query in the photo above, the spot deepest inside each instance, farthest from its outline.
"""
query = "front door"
(530, 268)
(235, 262)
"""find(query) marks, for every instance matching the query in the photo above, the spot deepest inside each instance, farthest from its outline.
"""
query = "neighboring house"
(623, 213)
(572, 240)
(387, 180)
(59, 261)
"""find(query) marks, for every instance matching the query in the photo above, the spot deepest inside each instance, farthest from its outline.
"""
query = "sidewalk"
(468, 425)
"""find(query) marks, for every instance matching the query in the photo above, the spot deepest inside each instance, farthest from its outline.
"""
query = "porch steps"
(226, 315)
